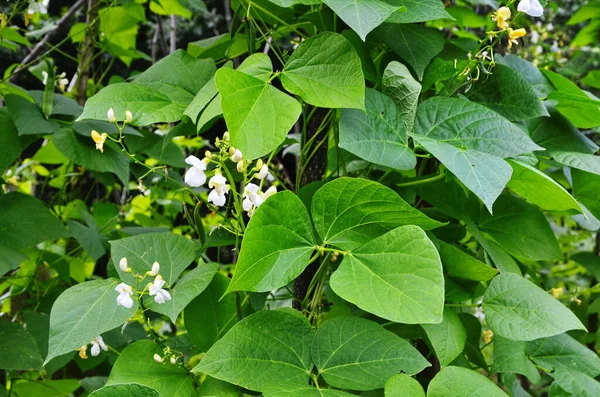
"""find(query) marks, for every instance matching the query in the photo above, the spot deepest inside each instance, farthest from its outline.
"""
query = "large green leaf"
(509, 94)
(379, 135)
(135, 364)
(258, 115)
(286, 389)
(402, 385)
(83, 312)
(511, 356)
(463, 123)
(418, 11)
(187, 288)
(19, 348)
(576, 383)
(399, 84)
(556, 134)
(28, 117)
(160, 94)
(586, 187)
(462, 382)
(125, 390)
(11, 144)
(362, 15)
(448, 338)
(208, 317)
(349, 212)
(24, 222)
(581, 161)
(539, 189)
(521, 229)
(45, 388)
(358, 354)
(212, 387)
(462, 265)
(529, 71)
(564, 352)
(263, 349)
(277, 245)
(81, 150)
(517, 309)
(173, 252)
(397, 276)
(484, 174)
(416, 44)
(325, 71)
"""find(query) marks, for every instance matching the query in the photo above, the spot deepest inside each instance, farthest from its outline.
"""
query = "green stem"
(424, 181)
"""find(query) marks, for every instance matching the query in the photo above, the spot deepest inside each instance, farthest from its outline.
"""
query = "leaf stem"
(423, 181)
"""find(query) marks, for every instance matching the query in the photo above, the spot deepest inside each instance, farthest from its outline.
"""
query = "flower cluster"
(155, 288)
(62, 81)
(253, 197)
(99, 139)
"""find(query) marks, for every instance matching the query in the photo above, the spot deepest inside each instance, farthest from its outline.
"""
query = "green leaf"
(517, 309)
(556, 134)
(190, 286)
(462, 265)
(208, 317)
(539, 189)
(586, 187)
(397, 276)
(379, 135)
(25, 222)
(11, 144)
(448, 338)
(416, 44)
(258, 115)
(168, 7)
(325, 71)
(277, 245)
(358, 354)
(418, 11)
(467, 124)
(135, 364)
(461, 382)
(241, 356)
(46, 388)
(159, 95)
(509, 94)
(82, 151)
(83, 312)
(529, 71)
(576, 383)
(581, 161)
(19, 348)
(402, 385)
(125, 390)
(214, 387)
(28, 117)
(592, 79)
(484, 174)
(399, 84)
(286, 389)
(362, 15)
(521, 229)
(349, 212)
(564, 352)
(511, 356)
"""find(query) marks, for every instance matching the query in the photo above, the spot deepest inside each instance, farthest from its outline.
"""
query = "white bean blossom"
(124, 299)
(155, 289)
(97, 344)
(531, 7)
(195, 175)
(219, 187)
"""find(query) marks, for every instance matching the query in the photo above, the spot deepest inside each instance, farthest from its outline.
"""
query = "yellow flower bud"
(501, 17)
(99, 139)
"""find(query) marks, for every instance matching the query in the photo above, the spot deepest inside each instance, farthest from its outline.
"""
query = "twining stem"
(423, 181)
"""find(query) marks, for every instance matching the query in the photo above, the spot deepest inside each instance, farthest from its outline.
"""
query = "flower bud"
(226, 136)
(111, 115)
(155, 269)
(123, 265)
(259, 164)
(264, 171)
(173, 360)
(128, 116)
(240, 166)
(208, 154)
(236, 156)
(157, 358)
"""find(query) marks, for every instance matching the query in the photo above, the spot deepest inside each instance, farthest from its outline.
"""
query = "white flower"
(157, 358)
(124, 299)
(237, 156)
(270, 192)
(263, 173)
(195, 176)
(63, 83)
(155, 269)
(240, 166)
(218, 183)
(156, 289)
(123, 265)
(531, 7)
(98, 343)
(110, 115)
(173, 360)
(44, 77)
(128, 116)
(253, 197)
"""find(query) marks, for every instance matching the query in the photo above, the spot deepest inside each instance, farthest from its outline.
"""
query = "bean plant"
(315, 198)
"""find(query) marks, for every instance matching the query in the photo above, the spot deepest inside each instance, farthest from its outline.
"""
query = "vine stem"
(424, 181)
